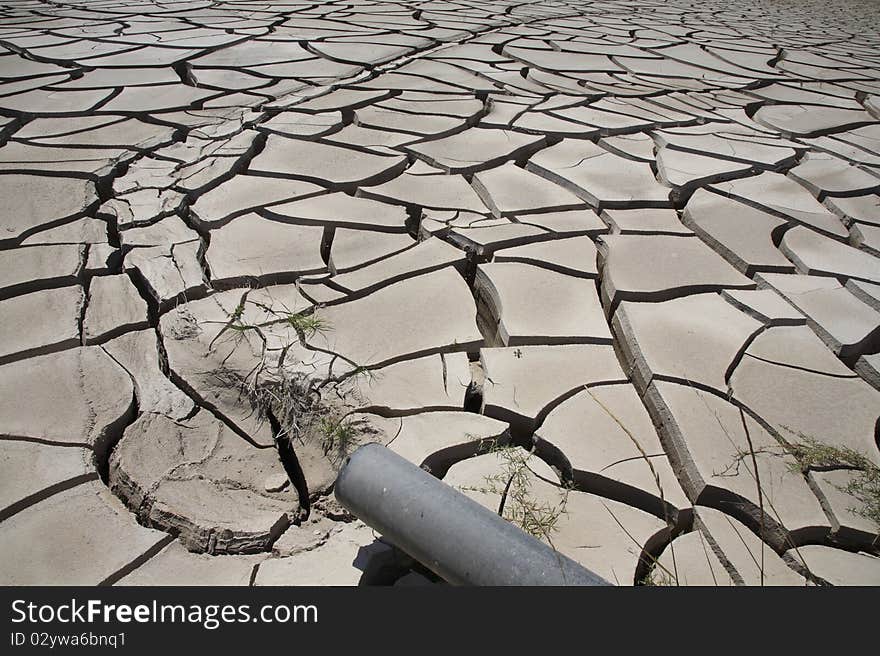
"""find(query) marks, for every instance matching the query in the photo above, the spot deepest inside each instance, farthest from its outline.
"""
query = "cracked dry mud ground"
(637, 241)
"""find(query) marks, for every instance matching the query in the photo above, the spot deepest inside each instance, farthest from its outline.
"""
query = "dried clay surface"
(610, 268)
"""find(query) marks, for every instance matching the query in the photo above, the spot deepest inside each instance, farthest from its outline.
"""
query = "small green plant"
(659, 576)
(864, 486)
(513, 483)
(307, 324)
(339, 437)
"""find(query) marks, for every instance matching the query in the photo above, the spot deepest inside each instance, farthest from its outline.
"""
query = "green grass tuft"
(864, 487)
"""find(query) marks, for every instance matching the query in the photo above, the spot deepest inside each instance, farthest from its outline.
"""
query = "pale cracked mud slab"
(748, 560)
(89, 401)
(736, 466)
(81, 522)
(836, 567)
(621, 540)
(641, 238)
(524, 383)
(689, 560)
(174, 565)
(341, 561)
(824, 400)
(437, 440)
(523, 304)
(682, 266)
(691, 340)
(202, 481)
(426, 314)
(433, 382)
(602, 440)
(848, 326)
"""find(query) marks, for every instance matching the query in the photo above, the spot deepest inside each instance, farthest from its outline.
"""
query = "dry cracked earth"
(634, 244)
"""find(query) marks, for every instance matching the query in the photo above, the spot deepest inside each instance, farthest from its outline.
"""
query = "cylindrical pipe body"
(449, 533)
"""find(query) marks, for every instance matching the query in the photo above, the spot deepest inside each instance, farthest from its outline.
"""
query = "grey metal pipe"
(449, 533)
